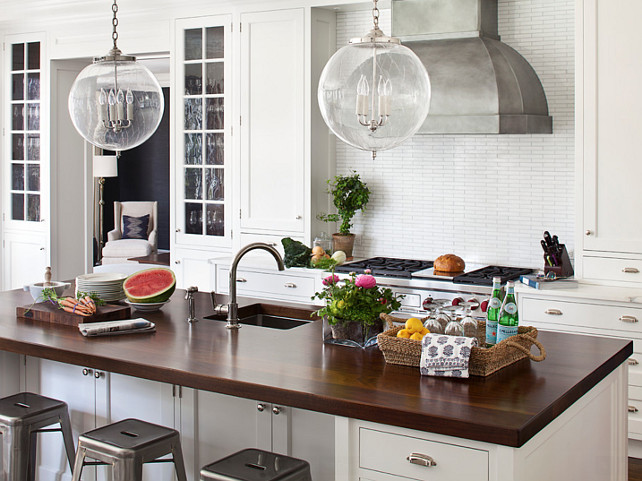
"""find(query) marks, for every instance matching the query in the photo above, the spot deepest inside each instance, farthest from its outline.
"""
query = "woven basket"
(483, 361)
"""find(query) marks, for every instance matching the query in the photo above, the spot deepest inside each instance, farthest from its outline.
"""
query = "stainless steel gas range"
(420, 285)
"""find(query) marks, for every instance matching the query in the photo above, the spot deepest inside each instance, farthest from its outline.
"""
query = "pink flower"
(383, 301)
(366, 281)
(333, 279)
(368, 271)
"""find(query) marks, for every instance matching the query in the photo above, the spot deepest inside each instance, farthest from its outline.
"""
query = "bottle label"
(491, 332)
(510, 307)
(504, 332)
(494, 303)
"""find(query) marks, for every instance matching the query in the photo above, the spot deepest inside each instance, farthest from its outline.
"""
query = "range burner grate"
(484, 276)
(386, 266)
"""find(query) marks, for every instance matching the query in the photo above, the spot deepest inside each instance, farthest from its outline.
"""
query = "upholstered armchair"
(135, 232)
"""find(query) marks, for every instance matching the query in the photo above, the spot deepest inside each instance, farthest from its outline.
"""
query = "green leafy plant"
(349, 195)
(355, 299)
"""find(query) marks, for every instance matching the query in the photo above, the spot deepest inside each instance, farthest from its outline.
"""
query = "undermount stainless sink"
(271, 315)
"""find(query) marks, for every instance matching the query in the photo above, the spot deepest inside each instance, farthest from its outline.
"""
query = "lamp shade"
(116, 104)
(105, 166)
(374, 95)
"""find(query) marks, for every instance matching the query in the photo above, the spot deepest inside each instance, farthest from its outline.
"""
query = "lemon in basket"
(414, 325)
(404, 333)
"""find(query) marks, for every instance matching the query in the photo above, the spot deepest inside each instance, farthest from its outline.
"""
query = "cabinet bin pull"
(421, 460)
(553, 312)
(631, 270)
(633, 361)
(241, 279)
(633, 409)
(631, 319)
(290, 285)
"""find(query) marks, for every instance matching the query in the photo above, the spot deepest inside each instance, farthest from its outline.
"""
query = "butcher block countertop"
(294, 368)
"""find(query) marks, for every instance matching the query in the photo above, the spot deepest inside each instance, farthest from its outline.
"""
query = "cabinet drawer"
(387, 453)
(635, 410)
(612, 269)
(635, 369)
(612, 318)
(264, 284)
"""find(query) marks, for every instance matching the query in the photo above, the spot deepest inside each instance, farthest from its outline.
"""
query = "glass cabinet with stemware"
(202, 216)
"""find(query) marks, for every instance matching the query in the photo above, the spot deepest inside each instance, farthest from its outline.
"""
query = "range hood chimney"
(479, 84)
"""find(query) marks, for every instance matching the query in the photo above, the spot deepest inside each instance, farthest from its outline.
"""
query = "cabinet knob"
(178, 230)
(633, 409)
(276, 409)
(631, 270)
(631, 319)
(553, 312)
(87, 372)
(42, 248)
(290, 285)
(177, 261)
(298, 217)
(633, 361)
(260, 407)
(421, 460)
(588, 232)
(98, 374)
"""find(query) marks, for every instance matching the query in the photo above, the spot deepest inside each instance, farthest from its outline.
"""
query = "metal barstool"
(257, 465)
(127, 445)
(22, 416)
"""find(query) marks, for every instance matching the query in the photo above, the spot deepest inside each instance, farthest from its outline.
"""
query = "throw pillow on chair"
(135, 227)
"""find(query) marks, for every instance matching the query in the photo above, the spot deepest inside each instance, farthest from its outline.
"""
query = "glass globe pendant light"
(374, 93)
(116, 103)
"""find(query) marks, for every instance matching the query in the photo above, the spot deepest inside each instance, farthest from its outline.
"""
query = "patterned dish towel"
(446, 356)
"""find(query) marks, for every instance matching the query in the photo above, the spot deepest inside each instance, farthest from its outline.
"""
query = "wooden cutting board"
(47, 312)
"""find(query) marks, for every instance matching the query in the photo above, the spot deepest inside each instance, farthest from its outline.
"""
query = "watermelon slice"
(150, 285)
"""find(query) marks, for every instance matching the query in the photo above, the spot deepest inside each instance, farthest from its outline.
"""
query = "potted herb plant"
(351, 315)
(349, 195)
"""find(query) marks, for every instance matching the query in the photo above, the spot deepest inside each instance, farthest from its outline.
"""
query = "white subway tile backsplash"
(487, 198)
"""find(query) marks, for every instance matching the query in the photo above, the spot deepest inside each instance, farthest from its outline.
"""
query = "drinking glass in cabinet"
(193, 114)
(214, 114)
(215, 73)
(33, 147)
(193, 149)
(33, 207)
(214, 149)
(33, 86)
(214, 183)
(18, 147)
(215, 220)
(193, 218)
(193, 184)
(193, 79)
(33, 178)
(193, 44)
(17, 177)
(33, 116)
(18, 117)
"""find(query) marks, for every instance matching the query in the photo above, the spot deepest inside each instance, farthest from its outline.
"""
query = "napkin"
(110, 328)
(446, 356)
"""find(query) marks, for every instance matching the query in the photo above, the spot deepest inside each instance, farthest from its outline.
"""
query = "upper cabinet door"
(273, 121)
(608, 124)
(203, 140)
(26, 154)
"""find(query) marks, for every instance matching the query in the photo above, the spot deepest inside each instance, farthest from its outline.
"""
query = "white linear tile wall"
(487, 198)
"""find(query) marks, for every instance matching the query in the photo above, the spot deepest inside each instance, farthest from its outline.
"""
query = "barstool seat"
(127, 445)
(257, 465)
(22, 416)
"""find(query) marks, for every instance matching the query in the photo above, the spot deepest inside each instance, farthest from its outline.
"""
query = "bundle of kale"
(297, 254)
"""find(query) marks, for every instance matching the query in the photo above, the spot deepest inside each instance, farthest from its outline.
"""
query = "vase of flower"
(353, 305)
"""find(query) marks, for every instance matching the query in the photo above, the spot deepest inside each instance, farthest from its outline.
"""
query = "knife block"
(564, 269)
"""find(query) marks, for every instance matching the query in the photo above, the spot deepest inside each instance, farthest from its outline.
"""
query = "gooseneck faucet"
(232, 310)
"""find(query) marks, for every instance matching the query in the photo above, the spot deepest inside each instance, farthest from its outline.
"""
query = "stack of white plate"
(107, 285)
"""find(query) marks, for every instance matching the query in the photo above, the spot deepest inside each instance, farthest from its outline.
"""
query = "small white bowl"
(146, 306)
(36, 288)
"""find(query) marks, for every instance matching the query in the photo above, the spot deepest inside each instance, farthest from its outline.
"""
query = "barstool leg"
(33, 452)
(80, 458)
(67, 437)
(179, 464)
(15, 447)
(128, 469)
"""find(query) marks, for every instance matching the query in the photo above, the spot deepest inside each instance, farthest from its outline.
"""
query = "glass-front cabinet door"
(24, 137)
(203, 198)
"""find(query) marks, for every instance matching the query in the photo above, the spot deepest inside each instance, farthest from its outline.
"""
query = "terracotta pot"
(343, 242)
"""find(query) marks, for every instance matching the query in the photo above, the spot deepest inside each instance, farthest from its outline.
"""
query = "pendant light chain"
(375, 14)
(114, 22)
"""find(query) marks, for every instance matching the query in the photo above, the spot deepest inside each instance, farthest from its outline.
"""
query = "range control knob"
(427, 303)
(473, 303)
(457, 301)
(484, 305)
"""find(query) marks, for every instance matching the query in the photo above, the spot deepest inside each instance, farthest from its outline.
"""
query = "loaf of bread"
(449, 263)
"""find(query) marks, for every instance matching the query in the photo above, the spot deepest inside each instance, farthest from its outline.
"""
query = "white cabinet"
(609, 237)
(227, 424)
(273, 133)
(193, 267)
(25, 258)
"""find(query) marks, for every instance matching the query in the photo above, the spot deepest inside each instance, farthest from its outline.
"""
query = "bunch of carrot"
(84, 306)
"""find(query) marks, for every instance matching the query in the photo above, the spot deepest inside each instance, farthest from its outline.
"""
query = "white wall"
(487, 198)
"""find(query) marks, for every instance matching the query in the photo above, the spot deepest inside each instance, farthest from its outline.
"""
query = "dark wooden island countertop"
(294, 368)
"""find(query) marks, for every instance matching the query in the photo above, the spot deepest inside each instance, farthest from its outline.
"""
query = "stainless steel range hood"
(479, 84)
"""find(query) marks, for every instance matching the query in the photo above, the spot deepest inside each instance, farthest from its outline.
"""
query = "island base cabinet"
(588, 441)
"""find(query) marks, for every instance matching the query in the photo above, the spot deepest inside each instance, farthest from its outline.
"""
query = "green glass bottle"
(492, 312)
(508, 317)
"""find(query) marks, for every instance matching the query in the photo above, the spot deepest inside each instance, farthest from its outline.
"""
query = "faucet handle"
(219, 308)
(189, 293)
